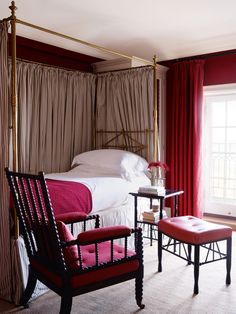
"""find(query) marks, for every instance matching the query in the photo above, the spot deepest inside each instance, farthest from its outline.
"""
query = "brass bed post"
(94, 120)
(155, 116)
(14, 117)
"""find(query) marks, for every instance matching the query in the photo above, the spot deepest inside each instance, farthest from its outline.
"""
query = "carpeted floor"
(168, 292)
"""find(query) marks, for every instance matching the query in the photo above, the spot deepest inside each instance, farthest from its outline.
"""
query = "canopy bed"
(138, 135)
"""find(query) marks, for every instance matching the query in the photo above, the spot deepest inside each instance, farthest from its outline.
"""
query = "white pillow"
(94, 171)
(125, 163)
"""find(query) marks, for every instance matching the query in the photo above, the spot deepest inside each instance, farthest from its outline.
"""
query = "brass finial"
(13, 9)
(155, 59)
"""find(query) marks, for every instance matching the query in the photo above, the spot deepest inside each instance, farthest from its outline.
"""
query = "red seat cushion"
(71, 252)
(88, 251)
(92, 277)
(88, 259)
(193, 230)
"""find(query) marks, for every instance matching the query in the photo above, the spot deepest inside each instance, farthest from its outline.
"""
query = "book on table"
(153, 217)
(152, 189)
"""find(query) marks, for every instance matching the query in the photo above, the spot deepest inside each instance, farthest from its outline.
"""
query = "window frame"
(214, 205)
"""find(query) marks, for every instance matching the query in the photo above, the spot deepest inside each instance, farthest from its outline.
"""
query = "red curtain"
(183, 132)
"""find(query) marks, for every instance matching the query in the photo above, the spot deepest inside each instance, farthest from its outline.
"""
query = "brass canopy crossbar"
(82, 42)
(125, 140)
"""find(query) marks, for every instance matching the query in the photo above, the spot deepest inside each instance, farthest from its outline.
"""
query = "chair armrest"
(108, 234)
(103, 234)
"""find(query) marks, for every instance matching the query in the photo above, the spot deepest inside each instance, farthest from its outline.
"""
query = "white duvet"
(107, 191)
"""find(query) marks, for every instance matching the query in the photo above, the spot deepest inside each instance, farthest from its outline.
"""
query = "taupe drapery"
(55, 110)
(10, 270)
(5, 251)
(125, 102)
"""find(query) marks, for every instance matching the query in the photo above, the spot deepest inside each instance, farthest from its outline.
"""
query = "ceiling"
(170, 29)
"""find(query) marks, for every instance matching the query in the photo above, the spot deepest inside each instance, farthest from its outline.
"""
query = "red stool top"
(193, 230)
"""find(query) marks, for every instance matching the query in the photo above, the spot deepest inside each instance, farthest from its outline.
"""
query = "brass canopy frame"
(14, 105)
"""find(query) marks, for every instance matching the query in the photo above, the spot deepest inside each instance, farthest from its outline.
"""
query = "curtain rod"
(7, 19)
(125, 69)
(50, 65)
(82, 42)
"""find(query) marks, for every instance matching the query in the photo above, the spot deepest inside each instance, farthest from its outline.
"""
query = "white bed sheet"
(107, 191)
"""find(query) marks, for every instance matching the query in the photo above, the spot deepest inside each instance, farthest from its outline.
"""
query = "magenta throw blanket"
(67, 197)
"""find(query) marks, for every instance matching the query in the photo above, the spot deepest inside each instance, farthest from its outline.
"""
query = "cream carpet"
(168, 292)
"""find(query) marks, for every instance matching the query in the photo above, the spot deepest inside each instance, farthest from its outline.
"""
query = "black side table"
(151, 197)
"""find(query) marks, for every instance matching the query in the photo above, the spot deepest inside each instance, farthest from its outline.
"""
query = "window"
(219, 150)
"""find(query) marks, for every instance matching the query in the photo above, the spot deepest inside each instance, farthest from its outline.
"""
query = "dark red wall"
(220, 67)
(220, 70)
(36, 51)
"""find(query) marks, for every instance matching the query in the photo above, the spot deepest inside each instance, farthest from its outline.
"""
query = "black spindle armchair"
(67, 265)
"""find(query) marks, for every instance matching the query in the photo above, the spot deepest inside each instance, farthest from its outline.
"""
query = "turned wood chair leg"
(32, 280)
(139, 291)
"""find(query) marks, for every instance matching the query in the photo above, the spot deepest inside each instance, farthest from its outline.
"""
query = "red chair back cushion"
(70, 253)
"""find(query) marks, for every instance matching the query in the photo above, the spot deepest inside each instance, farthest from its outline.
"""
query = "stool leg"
(196, 267)
(159, 251)
(228, 261)
(189, 254)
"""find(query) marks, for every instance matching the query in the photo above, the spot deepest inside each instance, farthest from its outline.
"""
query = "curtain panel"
(183, 132)
(5, 244)
(124, 101)
(55, 110)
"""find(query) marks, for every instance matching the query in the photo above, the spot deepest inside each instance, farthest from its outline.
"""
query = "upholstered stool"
(185, 232)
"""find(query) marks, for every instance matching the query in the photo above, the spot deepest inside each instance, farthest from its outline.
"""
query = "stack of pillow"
(112, 162)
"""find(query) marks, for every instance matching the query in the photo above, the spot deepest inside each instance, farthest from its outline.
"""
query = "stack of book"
(153, 217)
(152, 189)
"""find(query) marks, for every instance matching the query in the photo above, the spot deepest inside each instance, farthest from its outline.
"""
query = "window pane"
(231, 135)
(218, 113)
(231, 113)
(218, 135)
(217, 166)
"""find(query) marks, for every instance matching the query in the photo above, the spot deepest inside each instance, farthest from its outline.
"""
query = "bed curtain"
(10, 278)
(125, 102)
(55, 110)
